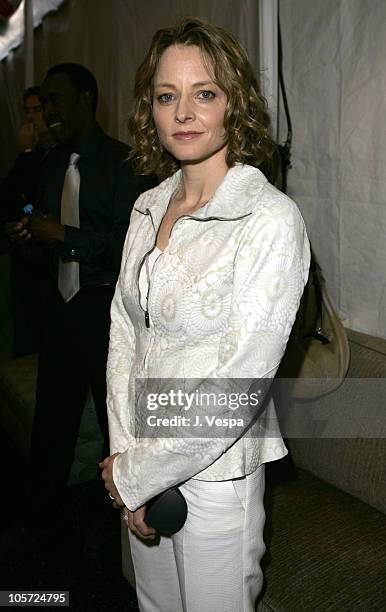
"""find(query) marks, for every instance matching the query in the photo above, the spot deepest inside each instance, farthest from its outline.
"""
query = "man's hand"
(18, 232)
(46, 229)
(28, 136)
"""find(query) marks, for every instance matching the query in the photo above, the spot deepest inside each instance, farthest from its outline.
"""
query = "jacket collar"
(235, 197)
(91, 145)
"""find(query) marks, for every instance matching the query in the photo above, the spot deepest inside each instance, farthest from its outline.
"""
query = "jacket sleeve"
(119, 363)
(270, 271)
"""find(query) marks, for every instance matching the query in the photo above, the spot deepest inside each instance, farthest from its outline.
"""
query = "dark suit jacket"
(108, 190)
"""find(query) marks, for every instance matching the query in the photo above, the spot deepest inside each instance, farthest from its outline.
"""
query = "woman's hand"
(136, 523)
(107, 474)
(135, 520)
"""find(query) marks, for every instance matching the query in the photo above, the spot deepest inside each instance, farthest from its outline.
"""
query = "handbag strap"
(316, 282)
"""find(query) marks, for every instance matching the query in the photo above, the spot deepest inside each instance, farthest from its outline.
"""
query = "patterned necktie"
(68, 279)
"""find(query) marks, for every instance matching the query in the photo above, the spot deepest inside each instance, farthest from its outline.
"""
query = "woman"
(213, 269)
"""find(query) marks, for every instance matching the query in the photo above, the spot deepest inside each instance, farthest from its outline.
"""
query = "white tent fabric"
(11, 34)
(268, 47)
(335, 72)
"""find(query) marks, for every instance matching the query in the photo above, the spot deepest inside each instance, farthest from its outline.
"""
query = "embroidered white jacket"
(222, 301)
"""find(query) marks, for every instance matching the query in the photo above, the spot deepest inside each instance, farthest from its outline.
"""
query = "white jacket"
(222, 301)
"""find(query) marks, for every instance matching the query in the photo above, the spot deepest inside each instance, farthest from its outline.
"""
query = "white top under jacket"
(222, 301)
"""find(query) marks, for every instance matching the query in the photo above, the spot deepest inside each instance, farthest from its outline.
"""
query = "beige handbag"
(318, 354)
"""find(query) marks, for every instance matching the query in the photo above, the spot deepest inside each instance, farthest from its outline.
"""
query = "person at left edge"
(17, 196)
(74, 341)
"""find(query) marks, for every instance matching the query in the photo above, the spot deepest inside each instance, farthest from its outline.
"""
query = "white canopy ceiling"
(12, 31)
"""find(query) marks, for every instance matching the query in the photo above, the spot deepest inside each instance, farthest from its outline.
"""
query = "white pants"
(213, 563)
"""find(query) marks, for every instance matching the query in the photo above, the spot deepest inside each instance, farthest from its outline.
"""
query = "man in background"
(19, 187)
(33, 131)
(17, 195)
(86, 192)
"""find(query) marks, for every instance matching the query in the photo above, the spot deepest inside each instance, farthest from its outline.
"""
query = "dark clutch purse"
(167, 511)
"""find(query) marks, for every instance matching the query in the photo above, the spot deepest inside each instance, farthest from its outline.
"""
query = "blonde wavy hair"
(246, 120)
